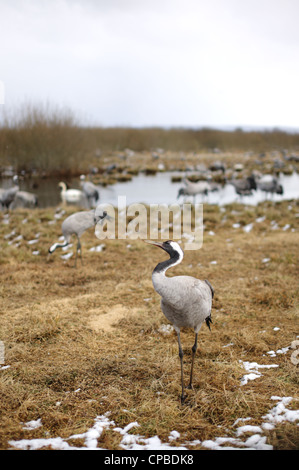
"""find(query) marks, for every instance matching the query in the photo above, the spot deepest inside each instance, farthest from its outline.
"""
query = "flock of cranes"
(268, 184)
(13, 197)
(89, 194)
(185, 300)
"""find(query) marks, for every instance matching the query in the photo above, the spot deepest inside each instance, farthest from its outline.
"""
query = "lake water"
(153, 189)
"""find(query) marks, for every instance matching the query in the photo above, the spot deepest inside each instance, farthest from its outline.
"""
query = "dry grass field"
(88, 342)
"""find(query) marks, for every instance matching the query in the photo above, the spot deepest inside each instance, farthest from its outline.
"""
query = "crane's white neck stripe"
(176, 256)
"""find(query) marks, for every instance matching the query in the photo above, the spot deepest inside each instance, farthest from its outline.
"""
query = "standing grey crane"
(24, 199)
(8, 195)
(90, 190)
(185, 300)
(192, 189)
(269, 184)
(77, 224)
(244, 187)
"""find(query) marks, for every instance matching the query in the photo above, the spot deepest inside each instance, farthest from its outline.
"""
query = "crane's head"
(100, 216)
(181, 192)
(171, 247)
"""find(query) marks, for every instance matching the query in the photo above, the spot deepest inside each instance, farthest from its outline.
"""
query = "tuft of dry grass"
(86, 341)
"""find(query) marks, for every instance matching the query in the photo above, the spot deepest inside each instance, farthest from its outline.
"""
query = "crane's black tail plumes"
(208, 321)
(209, 318)
(211, 287)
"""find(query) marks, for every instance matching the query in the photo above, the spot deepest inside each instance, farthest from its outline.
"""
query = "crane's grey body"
(244, 187)
(185, 300)
(77, 224)
(90, 190)
(8, 195)
(269, 184)
(192, 189)
(24, 199)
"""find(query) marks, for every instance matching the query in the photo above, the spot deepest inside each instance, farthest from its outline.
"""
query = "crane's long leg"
(194, 348)
(181, 354)
(80, 248)
(77, 249)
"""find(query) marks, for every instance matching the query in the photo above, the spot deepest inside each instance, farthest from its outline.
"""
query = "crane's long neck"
(161, 268)
(58, 245)
(160, 281)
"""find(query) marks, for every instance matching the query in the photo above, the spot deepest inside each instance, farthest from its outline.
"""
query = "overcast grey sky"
(155, 62)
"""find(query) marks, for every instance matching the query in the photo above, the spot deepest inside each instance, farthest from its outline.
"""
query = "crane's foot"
(190, 387)
(183, 398)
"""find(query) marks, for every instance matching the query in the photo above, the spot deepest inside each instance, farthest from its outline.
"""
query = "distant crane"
(244, 186)
(192, 189)
(90, 190)
(24, 199)
(269, 184)
(77, 224)
(185, 300)
(7, 196)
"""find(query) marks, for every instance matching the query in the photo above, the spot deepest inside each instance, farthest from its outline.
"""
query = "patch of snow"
(173, 435)
(279, 351)
(98, 248)
(56, 443)
(30, 425)
(11, 234)
(241, 419)
(280, 413)
(252, 368)
(247, 228)
(166, 329)
(66, 256)
(248, 428)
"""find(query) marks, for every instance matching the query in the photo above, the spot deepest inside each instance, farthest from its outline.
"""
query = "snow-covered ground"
(246, 436)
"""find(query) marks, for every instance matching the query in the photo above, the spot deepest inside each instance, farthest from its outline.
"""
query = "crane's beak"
(150, 242)
(103, 219)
